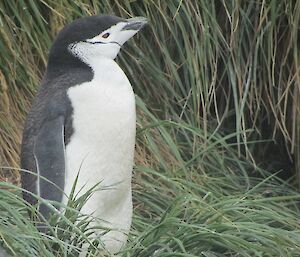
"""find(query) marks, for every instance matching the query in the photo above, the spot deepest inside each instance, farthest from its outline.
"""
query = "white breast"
(102, 146)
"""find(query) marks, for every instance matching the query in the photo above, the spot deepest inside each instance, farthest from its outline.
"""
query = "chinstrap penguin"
(83, 120)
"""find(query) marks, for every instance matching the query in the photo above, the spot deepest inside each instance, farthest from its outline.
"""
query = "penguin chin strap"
(100, 42)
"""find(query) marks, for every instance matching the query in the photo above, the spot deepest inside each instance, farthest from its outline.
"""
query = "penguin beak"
(135, 23)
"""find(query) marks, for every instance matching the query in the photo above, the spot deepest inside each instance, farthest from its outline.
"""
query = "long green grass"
(179, 210)
(218, 120)
(219, 65)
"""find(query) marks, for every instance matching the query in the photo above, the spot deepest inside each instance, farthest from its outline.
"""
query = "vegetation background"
(217, 154)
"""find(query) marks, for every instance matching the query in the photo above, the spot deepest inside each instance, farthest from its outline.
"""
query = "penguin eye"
(106, 35)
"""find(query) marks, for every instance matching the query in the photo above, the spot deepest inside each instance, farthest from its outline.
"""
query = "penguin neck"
(62, 64)
(104, 69)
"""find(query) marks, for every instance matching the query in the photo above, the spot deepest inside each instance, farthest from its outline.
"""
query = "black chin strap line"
(100, 42)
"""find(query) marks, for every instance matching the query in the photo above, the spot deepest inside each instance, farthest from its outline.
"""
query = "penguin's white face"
(108, 43)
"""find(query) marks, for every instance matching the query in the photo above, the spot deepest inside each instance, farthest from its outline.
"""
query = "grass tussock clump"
(218, 119)
(178, 210)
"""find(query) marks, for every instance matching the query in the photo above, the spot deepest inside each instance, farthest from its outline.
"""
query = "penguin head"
(90, 38)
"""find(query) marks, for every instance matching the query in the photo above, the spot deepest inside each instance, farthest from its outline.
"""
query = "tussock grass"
(179, 210)
(216, 65)
(218, 118)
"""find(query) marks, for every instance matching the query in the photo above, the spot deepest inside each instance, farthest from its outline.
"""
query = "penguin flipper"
(49, 155)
